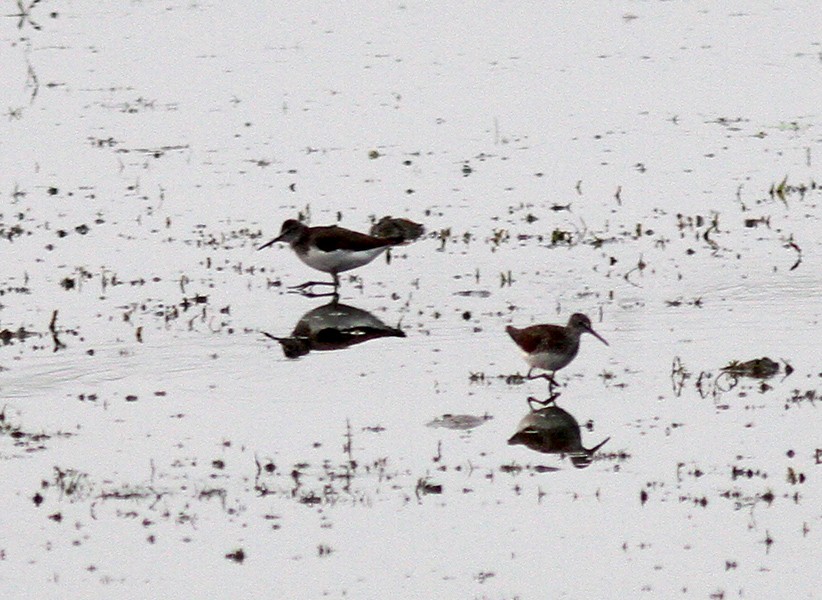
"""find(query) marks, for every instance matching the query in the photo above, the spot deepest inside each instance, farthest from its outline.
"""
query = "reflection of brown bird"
(331, 249)
(552, 430)
(552, 347)
(333, 326)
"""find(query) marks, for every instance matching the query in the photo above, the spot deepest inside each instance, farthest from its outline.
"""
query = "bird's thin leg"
(543, 403)
(309, 284)
(306, 289)
(552, 383)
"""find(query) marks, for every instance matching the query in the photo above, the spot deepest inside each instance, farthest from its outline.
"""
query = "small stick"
(58, 345)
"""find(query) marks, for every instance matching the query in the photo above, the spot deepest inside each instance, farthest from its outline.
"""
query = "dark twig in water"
(640, 266)
(714, 227)
(793, 246)
(24, 16)
(349, 442)
(678, 375)
(58, 345)
(31, 77)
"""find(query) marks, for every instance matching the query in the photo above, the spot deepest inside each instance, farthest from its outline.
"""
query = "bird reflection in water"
(333, 326)
(552, 430)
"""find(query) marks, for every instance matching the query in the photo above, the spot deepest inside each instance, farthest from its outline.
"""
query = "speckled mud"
(175, 423)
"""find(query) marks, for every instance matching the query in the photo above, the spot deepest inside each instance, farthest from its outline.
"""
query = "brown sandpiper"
(552, 347)
(331, 249)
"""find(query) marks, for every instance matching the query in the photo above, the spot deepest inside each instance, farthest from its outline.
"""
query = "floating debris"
(238, 556)
(459, 422)
(783, 189)
(759, 368)
(7, 336)
(473, 293)
(389, 227)
(425, 486)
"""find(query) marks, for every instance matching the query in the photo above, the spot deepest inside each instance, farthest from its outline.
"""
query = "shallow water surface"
(176, 423)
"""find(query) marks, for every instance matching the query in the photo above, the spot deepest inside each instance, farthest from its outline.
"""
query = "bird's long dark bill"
(597, 336)
(271, 243)
(598, 446)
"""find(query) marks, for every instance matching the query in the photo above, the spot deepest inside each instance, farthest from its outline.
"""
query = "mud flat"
(654, 166)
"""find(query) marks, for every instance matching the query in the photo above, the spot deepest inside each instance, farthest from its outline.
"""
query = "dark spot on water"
(238, 556)
(544, 469)
(310, 499)
(425, 486)
(761, 368)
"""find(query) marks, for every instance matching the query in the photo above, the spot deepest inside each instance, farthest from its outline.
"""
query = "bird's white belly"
(338, 261)
(548, 361)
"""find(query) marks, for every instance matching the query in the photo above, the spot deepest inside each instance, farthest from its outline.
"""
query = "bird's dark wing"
(531, 338)
(329, 239)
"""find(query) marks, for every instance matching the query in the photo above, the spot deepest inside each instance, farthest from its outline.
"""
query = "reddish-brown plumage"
(552, 347)
(535, 337)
